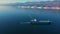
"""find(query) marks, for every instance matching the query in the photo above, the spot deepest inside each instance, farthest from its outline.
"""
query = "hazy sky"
(9, 1)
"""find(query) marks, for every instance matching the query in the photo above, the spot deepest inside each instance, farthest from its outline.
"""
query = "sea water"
(11, 17)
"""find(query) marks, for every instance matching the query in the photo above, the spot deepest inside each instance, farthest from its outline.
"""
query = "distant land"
(42, 4)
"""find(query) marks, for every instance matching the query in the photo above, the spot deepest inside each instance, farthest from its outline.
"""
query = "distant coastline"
(41, 5)
(38, 5)
(35, 7)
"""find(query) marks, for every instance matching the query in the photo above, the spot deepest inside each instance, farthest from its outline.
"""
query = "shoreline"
(35, 7)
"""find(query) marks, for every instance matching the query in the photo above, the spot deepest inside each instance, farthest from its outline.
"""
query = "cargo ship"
(38, 22)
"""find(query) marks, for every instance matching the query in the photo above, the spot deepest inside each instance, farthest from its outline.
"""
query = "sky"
(13, 1)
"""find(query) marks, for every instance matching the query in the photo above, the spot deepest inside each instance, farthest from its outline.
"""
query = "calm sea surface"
(11, 17)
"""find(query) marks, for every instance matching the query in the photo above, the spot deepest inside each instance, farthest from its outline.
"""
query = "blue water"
(10, 19)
